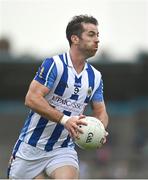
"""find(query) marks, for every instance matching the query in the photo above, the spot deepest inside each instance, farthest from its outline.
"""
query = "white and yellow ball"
(93, 134)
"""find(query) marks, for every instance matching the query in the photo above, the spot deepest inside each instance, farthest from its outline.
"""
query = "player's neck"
(78, 60)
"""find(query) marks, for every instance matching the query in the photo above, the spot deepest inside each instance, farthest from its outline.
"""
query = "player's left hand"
(105, 137)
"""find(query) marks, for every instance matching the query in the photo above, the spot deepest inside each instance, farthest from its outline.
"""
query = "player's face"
(88, 43)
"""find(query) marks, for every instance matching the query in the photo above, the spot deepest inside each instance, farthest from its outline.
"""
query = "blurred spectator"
(5, 49)
(103, 155)
(4, 45)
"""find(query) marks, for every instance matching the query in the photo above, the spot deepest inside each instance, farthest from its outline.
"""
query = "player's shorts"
(22, 168)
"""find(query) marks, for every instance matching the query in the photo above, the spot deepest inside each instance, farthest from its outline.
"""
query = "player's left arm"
(98, 105)
(99, 111)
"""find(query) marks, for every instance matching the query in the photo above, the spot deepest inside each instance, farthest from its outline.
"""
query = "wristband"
(64, 119)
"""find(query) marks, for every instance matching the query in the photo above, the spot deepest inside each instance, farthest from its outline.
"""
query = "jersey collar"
(69, 62)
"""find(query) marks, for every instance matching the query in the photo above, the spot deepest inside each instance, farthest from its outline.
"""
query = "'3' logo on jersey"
(41, 72)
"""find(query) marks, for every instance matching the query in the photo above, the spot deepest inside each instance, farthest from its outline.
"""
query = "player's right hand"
(72, 125)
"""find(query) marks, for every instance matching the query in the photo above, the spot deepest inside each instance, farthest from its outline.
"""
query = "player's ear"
(75, 39)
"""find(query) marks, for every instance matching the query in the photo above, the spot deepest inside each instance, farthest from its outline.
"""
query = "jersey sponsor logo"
(67, 104)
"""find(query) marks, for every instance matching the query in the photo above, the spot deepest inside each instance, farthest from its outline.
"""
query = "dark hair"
(75, 27)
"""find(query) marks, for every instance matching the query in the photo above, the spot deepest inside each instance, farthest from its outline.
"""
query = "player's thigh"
(41, 176)
(64, 164)
(65, 172)
(24, 169)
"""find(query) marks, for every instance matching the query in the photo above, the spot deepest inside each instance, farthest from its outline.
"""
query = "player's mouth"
(96, 48)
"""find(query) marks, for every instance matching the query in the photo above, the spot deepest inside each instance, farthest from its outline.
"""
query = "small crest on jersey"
(89, 91)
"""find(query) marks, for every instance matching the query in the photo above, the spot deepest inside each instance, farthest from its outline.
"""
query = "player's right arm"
(35, 100)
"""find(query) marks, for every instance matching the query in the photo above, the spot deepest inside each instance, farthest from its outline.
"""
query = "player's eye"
(91, 34)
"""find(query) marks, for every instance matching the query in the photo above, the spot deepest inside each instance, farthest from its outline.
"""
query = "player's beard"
(88, 51)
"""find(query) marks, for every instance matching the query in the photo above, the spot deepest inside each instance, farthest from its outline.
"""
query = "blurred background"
(31, 30)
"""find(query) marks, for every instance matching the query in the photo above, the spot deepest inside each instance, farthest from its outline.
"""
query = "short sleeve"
(98, 95)
(47, 73)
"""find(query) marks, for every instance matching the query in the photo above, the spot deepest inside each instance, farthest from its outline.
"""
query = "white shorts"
(22, 168)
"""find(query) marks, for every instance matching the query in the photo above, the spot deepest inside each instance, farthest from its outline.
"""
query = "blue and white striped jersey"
(69, 93)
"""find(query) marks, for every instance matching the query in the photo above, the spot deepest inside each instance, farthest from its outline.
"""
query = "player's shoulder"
(97, 75)
(53, 59)
(96, 71)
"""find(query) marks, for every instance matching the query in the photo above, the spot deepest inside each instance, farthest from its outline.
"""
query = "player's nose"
(97, 40)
